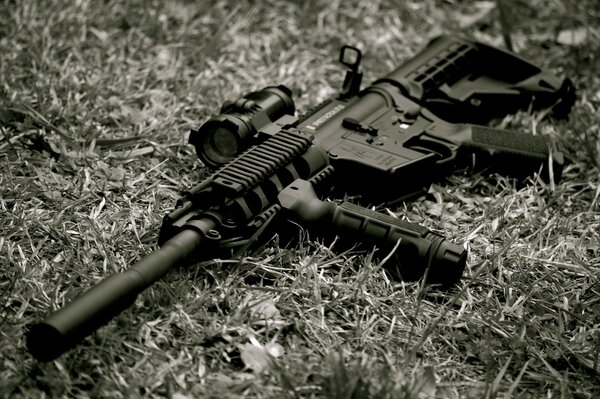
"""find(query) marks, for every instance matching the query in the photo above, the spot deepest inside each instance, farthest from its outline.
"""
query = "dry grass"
(97, 99)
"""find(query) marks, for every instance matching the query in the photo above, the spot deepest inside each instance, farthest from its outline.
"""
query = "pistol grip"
(417, 248)
(515, 154)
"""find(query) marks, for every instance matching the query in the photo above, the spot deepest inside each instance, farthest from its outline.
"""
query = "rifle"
(386, 143)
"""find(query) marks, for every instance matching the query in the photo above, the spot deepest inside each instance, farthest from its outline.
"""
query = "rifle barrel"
(64, 328)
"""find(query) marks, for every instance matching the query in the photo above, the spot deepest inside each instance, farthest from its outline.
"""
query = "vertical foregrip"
(419, 252)
(95, 307)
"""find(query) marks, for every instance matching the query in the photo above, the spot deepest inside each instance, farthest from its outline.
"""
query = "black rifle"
(387, 142)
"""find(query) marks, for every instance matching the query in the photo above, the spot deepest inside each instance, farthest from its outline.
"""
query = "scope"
(224, 136)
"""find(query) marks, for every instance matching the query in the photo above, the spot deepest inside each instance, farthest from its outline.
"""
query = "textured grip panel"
(515, 154)
(374, 224)
(506, 140)
(420, 253)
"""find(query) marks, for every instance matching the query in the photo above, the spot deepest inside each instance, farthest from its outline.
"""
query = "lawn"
(97, 101)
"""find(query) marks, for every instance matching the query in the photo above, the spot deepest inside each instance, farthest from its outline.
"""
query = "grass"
(97, 99)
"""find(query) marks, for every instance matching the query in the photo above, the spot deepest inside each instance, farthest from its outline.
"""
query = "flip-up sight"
(350, 57)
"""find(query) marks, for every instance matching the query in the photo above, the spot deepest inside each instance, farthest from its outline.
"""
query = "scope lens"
(226, 135)
(220, 146)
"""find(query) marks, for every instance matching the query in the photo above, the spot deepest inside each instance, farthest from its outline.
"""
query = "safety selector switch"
(353, 124)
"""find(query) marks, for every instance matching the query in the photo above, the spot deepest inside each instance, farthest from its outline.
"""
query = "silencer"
(64, 328)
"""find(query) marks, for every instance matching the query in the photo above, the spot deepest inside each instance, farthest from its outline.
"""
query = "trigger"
(426, 144)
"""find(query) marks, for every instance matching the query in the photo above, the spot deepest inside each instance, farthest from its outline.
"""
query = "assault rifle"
(384, 143)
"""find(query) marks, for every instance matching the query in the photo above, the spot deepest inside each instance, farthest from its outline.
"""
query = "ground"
(97, 101)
